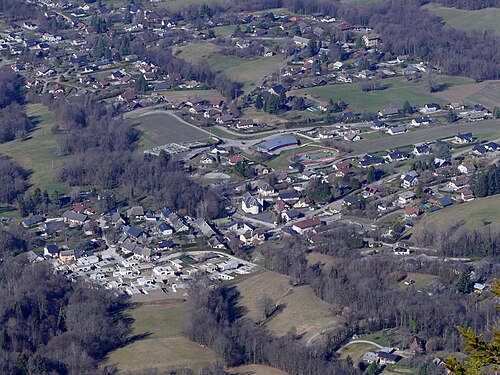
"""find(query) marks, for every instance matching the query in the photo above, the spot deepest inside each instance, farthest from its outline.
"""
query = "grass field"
(473, 214)
(397, 92)
(483, 19)
(165, 347)
(327, 261)
(255, 370)
(356, 351)
(423, 135)
(39, 152)
(177, 5)
(160, 128)
(302, 309)
(246, 71)
(421, 280)
(488, 96)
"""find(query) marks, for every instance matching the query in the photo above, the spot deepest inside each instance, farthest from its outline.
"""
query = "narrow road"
(378, 346)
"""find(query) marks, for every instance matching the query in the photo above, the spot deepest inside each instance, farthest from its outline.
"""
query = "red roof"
(412, 211)
(308, 223)
(236, 159)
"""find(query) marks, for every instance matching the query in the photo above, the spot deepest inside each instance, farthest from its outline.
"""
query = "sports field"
(38, 153)
(483, 19)
(161, 127)
(306, 321)
(163, 346)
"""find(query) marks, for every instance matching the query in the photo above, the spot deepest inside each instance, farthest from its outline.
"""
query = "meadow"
(38, 152)
(292, 315)
(163, 345)
(483, 19)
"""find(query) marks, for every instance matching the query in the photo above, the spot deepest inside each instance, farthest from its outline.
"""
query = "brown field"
(326, 261)
(255, 370)
(302, 309)
(486, 93)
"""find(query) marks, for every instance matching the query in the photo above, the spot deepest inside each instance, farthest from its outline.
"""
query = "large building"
(276, 143)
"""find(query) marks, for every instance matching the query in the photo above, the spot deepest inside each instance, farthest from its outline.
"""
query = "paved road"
(378, 346)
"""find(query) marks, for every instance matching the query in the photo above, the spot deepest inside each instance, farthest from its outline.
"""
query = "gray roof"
(275, 143)
(74, 216)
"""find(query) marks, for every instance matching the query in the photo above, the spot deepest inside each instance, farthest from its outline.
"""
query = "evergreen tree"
(407, 108)
(451, 116)
(259, 103)
(272, 104)
(141, 86)
(464, 284)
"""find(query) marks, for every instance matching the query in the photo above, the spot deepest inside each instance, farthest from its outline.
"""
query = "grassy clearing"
(162, 128)
(224, 30)
(474, 214)
(421, 280)
(327, 261)
(356, 351)
(302, 309)
(483, 19)
(488, 96)
(194, 52)
(255, 370)
(164, 347)
(39, 152)
(177, 5)
(397, 92)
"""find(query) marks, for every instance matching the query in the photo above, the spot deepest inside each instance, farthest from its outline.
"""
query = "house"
(67, 256)
(73, 217)
(235, 159)
(410, 179)
(387, 358)
(204, 227)
(369, 161)
(394, 130)
(430, 108)
(463, 138)
(136, 213)
(265, 189)
(132, 232)
(127, 97)
(300, 41)
(241, 227)
(417, 345)
(479, 150)
(215, 149)
(425, 120)
(378, 125)
(400, 248)
(387, 112)
(478, 288)
(306, 225)
(352, 136)
(251, 204)
(32, 221)
(421, 150)
(291, 215)
(51, 250)
(458, 182)
(466, 168)
(165, 229)
(370, 41)
(406, 197)
(492, 146)
(467, 195)
(412, 212)
(398, 155)
(277, 90)
(444, 202)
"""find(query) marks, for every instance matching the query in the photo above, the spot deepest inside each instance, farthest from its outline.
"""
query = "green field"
(164, 346)
(356, 351)
(161, 127)
(488, 96)
(398, 90)
(483, 19)
(177, 5)
(38, 153)
(473, 214)
(255, 370)
(246, 71)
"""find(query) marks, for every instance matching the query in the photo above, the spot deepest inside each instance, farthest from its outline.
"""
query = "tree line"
(50, 325)
(13, 121)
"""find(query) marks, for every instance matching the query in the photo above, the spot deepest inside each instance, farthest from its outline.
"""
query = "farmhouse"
(463, 138)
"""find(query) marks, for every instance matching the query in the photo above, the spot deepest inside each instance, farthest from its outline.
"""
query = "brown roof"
(308, 223)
